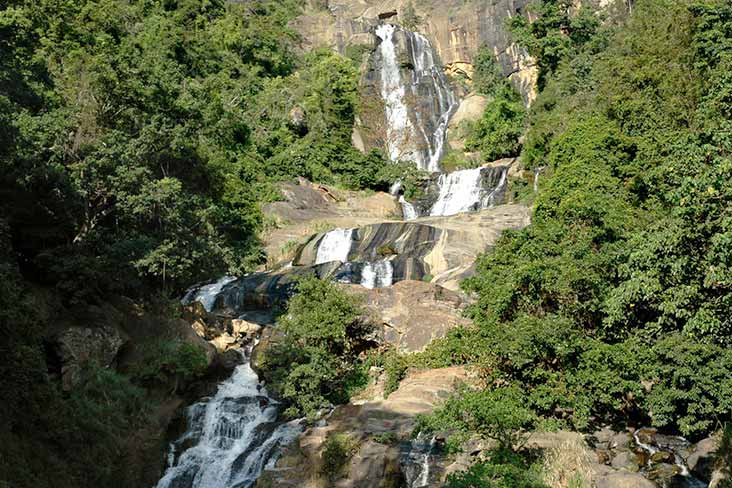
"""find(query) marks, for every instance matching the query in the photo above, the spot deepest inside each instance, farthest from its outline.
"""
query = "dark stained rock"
(78, 347)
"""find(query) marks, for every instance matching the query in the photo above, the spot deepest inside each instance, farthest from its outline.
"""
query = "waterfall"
(464, 191)
(335, 246)
(207, 294)
(408, 210)
(234, 436)
(377, 275)
(416, 462)
(418, 113)
(398, 125)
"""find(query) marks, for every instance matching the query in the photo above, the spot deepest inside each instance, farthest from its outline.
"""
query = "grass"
(568, 465)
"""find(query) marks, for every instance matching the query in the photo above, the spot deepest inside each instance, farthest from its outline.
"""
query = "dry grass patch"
(569, 465)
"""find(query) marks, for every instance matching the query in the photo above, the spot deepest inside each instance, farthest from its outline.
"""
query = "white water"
(377, 275)
(690, 482)
(398, 125)
(462, 191)
(235, 437)
(426, 70)
(207, 294)
(408, 210)
(335, 246)
(416, 465)
(422, 143)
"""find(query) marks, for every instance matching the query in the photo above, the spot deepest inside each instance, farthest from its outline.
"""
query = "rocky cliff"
(456, 28)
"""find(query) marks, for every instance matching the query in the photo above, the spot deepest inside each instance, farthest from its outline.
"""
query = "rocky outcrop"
(308, 208)
(470, 110)
(77, 348)
(411, 314)
(455, 27)
(380, 428)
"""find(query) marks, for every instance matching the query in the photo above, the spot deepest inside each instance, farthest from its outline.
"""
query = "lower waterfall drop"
(335, 246)
(234, 435)
(377, 275)
(416, 462)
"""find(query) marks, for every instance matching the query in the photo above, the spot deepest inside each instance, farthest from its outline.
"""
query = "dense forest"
(139, 139)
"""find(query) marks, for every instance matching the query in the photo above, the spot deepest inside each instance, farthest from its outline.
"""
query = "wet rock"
(626, 460)
(662, 457)
(663, 472)
(620, 440)
(646, 436)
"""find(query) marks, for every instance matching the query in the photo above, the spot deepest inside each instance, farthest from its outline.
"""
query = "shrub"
(496, 135)
(337, 452)
(504, 469)
(316, 363)
(499, 414)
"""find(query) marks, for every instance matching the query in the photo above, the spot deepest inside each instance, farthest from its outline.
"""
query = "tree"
(410, 19)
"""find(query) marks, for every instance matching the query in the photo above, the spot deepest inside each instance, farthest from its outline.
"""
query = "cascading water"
(235, 435)
(335, 246)
(418, 112)
(417, 460)
(684, 478)
(377, 275)
(207, 294)
(464, 191)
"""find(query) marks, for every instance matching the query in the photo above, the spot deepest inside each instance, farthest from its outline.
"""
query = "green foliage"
(409, 18)
(504, 469)
(337, 452)
(498, 414)
(613, 305)
(316, 362)
(388, 438)
(168, 362)
(487, 75)
(555, 34)
(496, 135)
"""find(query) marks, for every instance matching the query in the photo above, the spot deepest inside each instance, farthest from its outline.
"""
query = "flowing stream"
(231, 437)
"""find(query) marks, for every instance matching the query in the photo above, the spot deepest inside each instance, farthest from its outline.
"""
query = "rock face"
(456, 29)
(470, 110)
(79, 347)
(380, 429)
(405, 76)
(412, 313)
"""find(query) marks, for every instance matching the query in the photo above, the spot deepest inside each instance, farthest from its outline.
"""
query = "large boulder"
(411, 314)
(624, 479)
(702, 458)
(76, 348)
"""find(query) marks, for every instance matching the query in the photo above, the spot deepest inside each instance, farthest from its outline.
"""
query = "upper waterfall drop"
(418, 107)
(335, 246)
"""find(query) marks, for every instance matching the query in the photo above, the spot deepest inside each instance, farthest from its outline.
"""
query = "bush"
(499, 414)
(337, 452)
(504, 469)
(316, 362)
(170, 363)
(496, 135)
